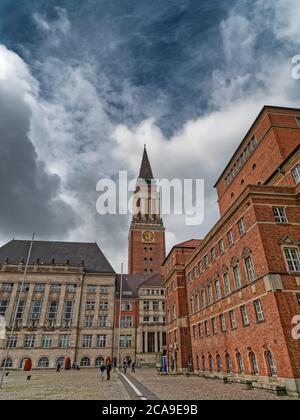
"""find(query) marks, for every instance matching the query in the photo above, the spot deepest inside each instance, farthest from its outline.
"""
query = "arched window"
(228, 363)
(85, 362)
(203, 363)
(254, 364)
(219, 363)
(7, 363)
(99, 361)
(60, 361)
(43, 363)
(271, 364)
(211, 363)
(240, 363)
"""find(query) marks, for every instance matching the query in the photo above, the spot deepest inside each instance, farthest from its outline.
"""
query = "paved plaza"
(87, 385)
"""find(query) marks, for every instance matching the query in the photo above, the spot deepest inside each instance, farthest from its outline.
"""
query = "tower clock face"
(148, 237)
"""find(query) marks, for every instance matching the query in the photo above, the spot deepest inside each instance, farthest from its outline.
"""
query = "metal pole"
(16, 311)
(120, 314)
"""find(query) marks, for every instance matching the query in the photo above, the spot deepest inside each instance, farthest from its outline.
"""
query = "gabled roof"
(146, 171)
(45, 251)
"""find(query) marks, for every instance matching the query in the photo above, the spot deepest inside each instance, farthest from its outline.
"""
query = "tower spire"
(146, 171)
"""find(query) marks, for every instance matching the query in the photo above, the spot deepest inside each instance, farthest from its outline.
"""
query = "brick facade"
(242, 284)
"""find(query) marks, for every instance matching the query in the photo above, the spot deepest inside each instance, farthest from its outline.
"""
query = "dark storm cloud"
(29, 199)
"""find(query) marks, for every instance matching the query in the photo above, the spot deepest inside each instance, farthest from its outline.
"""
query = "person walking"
(133, 367)
(125, 366)
(58, 367)
(102, 371)
(108, 369)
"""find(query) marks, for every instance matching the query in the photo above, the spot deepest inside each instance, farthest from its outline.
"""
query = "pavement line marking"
(136, 390)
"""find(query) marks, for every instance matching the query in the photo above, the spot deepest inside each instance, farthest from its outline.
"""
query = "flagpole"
(120, 314)
(16, 311)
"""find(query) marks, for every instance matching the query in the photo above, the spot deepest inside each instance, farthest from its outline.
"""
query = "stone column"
(28, 304)
(156, 341)
(146, 340)
(44, 306)
(76, 306)
(11, 304)
(61, 305)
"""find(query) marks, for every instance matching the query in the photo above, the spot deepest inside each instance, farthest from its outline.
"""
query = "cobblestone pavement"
(49, 385)
(195, 388)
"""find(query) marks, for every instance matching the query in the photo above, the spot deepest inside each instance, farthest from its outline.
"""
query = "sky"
(85, 84)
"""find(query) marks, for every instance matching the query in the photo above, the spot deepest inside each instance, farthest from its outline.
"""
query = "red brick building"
(238, 292)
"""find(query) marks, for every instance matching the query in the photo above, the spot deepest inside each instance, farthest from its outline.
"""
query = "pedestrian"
(133, 367)
(125, 366)
(108, 369)
(102, 371)
(58, 367)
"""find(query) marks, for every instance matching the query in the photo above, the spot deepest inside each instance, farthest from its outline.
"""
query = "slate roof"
(133, 282)
(46, 251)
(146, 171)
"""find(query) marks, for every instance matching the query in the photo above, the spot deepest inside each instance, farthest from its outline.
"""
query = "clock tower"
(146, 247)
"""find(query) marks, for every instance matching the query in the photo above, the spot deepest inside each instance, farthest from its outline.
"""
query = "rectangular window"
(203, 298)
(146, 305)
(245, 316)
(35, 311)
(87, 341)
(40, 288)
(20, 310)
(227, 287)
(280, 214)
(222, 247)
(67, 311)
(213, 254)
(205, 261)
(64, 341)
(259, 311)
(7, 287)
(3, 307)
(71, 288)
(298, 121)
(207, 330)
(296, 173)
(293, 259)
(89, 321)
(101, 341)
(298, 298)
(103, 306)
(200, 329)
(223, 323)
(218, 289)
(103, 321)
(156, 319)
(250, 269)
(29, 341)
(156, 306)
(242, 226)
(210, 294)
(233, 322)
(11, 342)
(46, 342)
(92, 290)
(24, 288)
(126, 307)
(146, 319)
(52, 310)
(90, 306)
(125, 341)
(104, 290)
(230, 238)
(237, 277)
(55, 288)
(194, 331)
(126, 322)
(214, 324)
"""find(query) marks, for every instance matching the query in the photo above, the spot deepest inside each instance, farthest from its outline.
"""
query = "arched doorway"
(272, 368)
